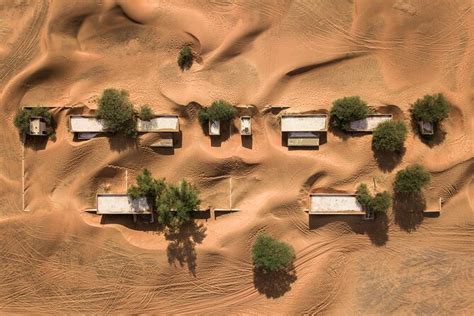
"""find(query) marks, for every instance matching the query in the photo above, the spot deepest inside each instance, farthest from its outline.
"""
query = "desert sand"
(57, 258)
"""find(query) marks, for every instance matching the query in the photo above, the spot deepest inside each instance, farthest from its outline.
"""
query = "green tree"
(117, 112)
(430, 108)
(185, 57)
(389, 136)
(219, 110)
(379, 203)
(411, 179)
(146, 113)
(148, 187)
(348, 109)
(175, 204)
(23, 116)
(271, 255)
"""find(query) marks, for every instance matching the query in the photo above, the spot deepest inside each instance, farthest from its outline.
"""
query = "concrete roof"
(161, 123)
(214, 127)
(334, 203)
(84, 124)
(121, 204)
(245, 125)
(369, 123)
(304, 123)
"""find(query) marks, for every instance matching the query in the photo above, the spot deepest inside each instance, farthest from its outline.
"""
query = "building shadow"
(182, 244)
(165, 151)
(143, 222)
(247, 141)
(408, 210)
(220, 213)
(438, 137)
(274, 284)
(336, 131)
(387, 160)
(36, 143)
(376, 230)
(202, 214)
(178, 139)
(121, 143)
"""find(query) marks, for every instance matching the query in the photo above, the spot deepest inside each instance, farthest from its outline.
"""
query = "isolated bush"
(389, 136)
(219, 110)
(146, 113)
(411, 179)
(348, 109)
(22, 119)
(271, 255)
(380, 203)
(176, 202)
(431, 108)
(117, 112)
(185, 57)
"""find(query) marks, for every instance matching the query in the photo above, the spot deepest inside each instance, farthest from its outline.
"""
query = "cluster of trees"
(411, 179)
(219, 110)
(118, 113)
(185, 57)
(348, 109)
(390, 136)
(23, 116)
(379, 203)
(173, 203)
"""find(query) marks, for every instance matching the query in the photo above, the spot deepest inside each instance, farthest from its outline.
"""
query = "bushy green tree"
(146, 113)
(430, 108)
(389, 136)
(185, 57)
(348, 109)
(219, 110)
(117, 112)
(379, 203)
(23, 116)
(411, 179)
(271, 255)
(148, 187)
(175, 204)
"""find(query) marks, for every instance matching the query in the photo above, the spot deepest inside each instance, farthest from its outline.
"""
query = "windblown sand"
(57, 258)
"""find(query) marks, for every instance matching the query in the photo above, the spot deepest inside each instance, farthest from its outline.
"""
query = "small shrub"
(389, 136)
(117, 112)
(219, 110)
(380, 203)
(348, 109)
(22, 119)
(271, 255)
(185, 57)
(411, 179)
(431, 108)
(146, 113)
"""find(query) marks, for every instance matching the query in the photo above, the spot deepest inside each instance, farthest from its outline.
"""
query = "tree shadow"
(274, 284)
(408, 209)
(438, 137)
(36, 143)
(121, 143)
(376, 230)
(387, 160)
(181, 249)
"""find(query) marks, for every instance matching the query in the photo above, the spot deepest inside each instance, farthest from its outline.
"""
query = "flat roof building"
(161, 123)
(37, 126)
(334, 204)
(245, 125)
(85, 124)
(304, 123)
(368, 124)
(121, 204)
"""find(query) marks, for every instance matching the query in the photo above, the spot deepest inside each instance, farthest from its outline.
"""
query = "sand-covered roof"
(84, 124)
(369, 123)
(334, 203)
(161, 123)
(304, 123)
(121, 204)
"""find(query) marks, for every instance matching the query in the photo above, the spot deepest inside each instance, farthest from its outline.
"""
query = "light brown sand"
(302, 54)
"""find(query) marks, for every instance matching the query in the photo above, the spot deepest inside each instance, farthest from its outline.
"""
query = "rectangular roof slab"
(161, 123)
(121, 204)
(85, 124)
(336, 204)
(369, 123)
(304, 123)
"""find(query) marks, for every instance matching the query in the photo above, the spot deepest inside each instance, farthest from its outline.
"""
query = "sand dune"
(57, 258)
